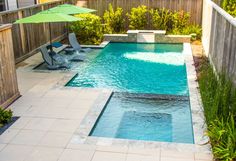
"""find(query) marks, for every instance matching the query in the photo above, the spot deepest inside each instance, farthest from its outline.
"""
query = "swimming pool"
(136, 68)
(150, 100)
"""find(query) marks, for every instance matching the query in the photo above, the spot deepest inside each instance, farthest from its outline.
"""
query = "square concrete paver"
(203, 156)
(177, 154)
(56, 139)
(2, 146)
(28, 137)
(20, 123)
(139, 157)
(76, 155)
(15, 152)
(108, 156)
(65, 125)
(42, 124)
(44, 154)
(175, 159)
(8, 135)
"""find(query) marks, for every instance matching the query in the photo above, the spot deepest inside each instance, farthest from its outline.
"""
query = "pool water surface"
(150, 100)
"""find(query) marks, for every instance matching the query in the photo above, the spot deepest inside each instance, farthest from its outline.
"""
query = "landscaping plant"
(161, 19)
(219, 101)
(138, 18)
(229, 6)
(5, 116)
(114, 20)
(180, 20)
(89, 30)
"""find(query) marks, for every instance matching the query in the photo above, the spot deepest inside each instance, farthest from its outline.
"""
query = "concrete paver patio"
(50, 114)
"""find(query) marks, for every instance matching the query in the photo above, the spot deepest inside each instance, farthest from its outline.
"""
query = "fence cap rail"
(226, 15)
(5, 26)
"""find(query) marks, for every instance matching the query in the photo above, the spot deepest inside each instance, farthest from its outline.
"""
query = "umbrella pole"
(50, 34)
(50, 39)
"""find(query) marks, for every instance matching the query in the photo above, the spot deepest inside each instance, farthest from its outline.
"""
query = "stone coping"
(81, 136)
(147, 31)
(100, 46)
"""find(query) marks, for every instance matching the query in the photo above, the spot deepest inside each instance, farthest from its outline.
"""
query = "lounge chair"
(72, 55)
(75, 46)
(53, 60)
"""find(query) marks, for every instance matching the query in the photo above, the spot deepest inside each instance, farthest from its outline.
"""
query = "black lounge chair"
(53, 60)
(75, 46)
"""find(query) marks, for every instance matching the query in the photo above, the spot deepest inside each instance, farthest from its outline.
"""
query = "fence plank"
(194, 7)
(220, 43)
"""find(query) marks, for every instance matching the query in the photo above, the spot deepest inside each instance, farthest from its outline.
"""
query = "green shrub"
(161, 19)
(180, 20)
(114, 20)
(89, 30)
(229, 6)
(5, 116)
(222, 134)
(193, 29)
(138, 18)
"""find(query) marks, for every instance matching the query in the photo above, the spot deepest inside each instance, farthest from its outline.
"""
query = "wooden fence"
(194, 7)
(8, 81)
(219, 38)
(28, 37)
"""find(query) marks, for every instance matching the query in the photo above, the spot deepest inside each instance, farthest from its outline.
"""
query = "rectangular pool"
(150, 100)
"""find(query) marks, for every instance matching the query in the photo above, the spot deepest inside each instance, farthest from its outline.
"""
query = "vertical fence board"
(220, 43)
(194, 7)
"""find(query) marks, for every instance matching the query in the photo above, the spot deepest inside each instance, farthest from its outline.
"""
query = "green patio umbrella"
(71, 9)
(47, 17)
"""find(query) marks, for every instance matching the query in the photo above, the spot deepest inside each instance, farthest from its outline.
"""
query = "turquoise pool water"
(150, 100)
(144, 117)
(136, 68)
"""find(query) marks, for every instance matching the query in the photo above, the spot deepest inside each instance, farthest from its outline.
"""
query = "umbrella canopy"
(71, 9)
(48, 17)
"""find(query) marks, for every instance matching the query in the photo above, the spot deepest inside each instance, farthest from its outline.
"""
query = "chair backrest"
(46, 57)
(73, 41)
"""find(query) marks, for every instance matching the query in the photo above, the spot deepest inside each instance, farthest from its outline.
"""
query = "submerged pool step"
(150, 96)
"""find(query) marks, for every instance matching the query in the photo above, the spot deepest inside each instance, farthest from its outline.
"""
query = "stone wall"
(144, 36)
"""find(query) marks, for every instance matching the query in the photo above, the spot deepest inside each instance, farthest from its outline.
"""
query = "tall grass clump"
(219, 101)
